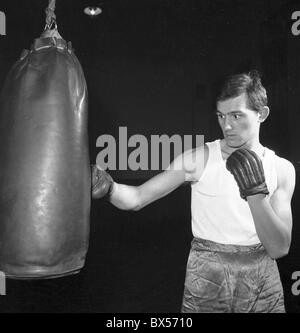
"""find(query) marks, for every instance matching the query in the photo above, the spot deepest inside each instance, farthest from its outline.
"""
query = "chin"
(235, 143)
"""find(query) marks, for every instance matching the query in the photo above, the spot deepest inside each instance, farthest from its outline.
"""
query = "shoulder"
(195, 156)
(286, 175)
(284, 166)
(192, 162)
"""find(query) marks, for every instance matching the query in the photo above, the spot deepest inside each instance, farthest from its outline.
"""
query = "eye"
(220, 116)
(236, 116)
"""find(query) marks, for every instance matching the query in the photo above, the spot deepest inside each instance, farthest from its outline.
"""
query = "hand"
(248, 172)
(51, 34)
(102, 183)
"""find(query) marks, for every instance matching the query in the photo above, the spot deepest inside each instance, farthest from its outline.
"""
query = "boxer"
(241, 207)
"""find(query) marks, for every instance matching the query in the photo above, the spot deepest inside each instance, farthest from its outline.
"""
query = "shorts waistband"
(208, 245)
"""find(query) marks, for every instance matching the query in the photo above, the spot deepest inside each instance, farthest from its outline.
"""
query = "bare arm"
(273, 219)
(186, 167)
(136, 197)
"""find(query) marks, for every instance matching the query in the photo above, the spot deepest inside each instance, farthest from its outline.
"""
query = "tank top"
(219, 214)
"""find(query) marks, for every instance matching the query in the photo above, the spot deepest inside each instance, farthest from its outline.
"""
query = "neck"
(253, 145)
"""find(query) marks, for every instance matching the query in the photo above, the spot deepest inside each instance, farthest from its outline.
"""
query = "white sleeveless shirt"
(218, 212)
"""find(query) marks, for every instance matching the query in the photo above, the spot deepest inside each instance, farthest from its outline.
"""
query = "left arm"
(273, 219)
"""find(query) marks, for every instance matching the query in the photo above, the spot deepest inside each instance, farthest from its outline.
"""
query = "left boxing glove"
(248, 172)
(102, 183)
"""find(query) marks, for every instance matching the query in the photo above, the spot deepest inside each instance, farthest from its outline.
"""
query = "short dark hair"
(248, 83)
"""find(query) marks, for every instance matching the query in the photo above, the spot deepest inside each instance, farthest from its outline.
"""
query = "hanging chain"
(50, 16)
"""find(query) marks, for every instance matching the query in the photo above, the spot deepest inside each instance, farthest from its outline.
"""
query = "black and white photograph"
(149, 158)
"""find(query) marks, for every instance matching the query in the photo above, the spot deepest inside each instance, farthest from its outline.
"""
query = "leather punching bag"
(44, 164)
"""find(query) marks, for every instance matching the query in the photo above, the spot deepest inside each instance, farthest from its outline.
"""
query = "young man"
(241, 207)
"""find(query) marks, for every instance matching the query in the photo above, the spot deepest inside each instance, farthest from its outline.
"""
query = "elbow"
(136, 203)
(279, 252)
(136, 208)
(281, 247)
(128, 206)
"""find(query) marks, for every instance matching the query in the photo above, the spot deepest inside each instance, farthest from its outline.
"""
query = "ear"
(263, 114)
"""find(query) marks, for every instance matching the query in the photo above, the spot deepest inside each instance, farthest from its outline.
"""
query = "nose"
(227, 124)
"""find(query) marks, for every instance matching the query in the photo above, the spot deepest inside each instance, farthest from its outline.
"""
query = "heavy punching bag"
(44, 163)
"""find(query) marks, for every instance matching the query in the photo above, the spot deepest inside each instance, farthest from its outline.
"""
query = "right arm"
(187, 167)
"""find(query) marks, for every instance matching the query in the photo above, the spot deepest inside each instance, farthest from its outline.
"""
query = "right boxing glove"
(248, 171)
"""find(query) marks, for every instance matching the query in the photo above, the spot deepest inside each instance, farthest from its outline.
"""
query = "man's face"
(240, 125)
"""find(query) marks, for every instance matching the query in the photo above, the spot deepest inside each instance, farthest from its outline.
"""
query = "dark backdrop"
(153, 66)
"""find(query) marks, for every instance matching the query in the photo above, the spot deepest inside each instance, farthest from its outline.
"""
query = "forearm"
(137, 197)
(272, 231)
(124, 197)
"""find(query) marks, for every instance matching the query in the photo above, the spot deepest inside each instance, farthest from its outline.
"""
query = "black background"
(153, 66)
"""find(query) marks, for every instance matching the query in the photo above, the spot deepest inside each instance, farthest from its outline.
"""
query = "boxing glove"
(247, 169)
(102, 183)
